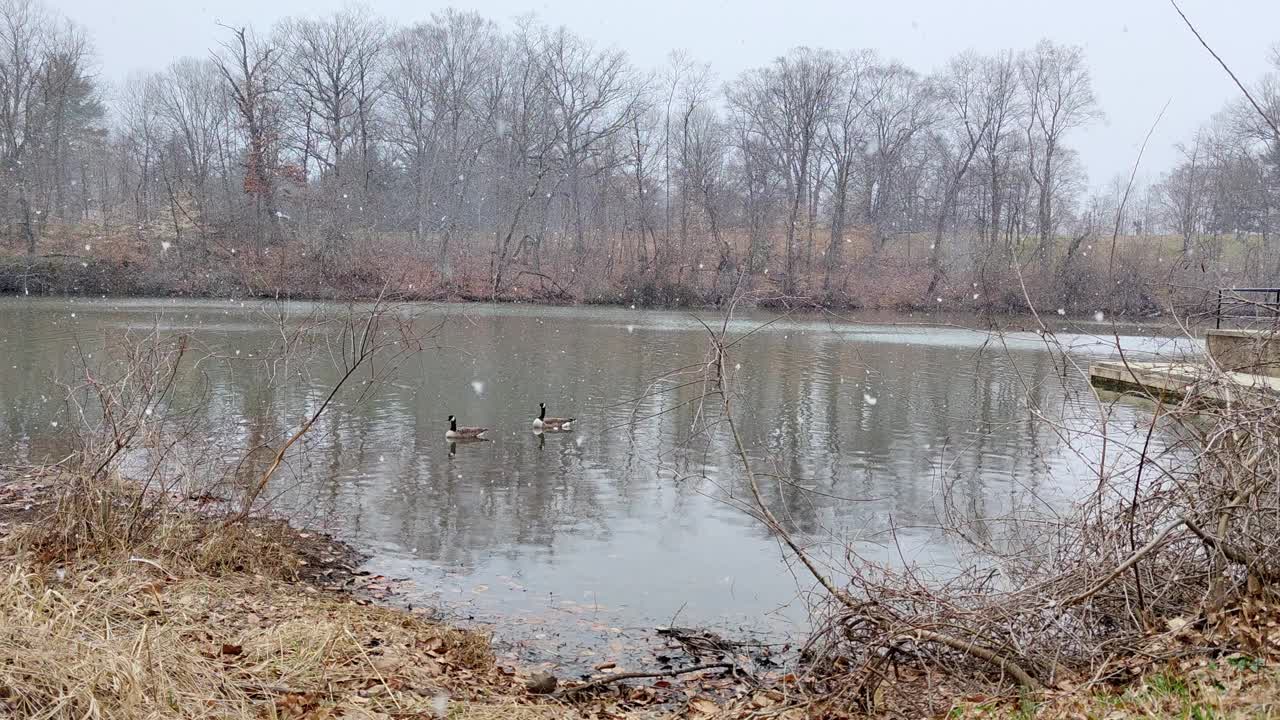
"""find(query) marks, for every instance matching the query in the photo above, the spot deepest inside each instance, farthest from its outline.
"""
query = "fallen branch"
(601, 682)
(1133, 560)
(1234, 553)
(563, 293)
(982, 653)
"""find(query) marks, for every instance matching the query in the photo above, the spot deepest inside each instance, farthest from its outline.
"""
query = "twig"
(1133, 560)
(970, 648)
(1233, 553)
(1124, 200)
(600, 682)
(153, 564)
(982, 653)
(1265, 117)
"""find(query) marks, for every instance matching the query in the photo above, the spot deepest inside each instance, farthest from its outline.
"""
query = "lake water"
(575, 542)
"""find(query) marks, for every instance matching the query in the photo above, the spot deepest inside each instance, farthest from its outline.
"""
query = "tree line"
(491, 158)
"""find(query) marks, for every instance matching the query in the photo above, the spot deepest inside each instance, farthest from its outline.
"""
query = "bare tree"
(787, 104)
(333, 84)
(463, 144)
(1000, 146)
(595, 95)
(846, 139)
(968, 116)
(1183, 193)
(190, 97)
(250, 70)
(1060, 97)
(903, 108)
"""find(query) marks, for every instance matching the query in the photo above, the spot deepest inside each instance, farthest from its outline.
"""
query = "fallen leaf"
(703, 706)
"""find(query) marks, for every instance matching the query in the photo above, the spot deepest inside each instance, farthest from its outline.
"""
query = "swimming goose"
(464, 433)
(544, 423)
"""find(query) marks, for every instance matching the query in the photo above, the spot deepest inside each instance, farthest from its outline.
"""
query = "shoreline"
(410, 658)
(61, 275)
(920, 316)
(285, 623)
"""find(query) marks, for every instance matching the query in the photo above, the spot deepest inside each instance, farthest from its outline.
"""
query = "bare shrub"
(146, 459)
(1183, 537)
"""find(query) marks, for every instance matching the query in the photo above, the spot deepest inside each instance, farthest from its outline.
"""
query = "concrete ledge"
(1255, 352)
(1179, 379)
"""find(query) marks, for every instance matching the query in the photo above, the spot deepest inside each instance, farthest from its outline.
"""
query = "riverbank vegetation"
(148, 575)
(1154, 592)
(456, 157)
(198, 618)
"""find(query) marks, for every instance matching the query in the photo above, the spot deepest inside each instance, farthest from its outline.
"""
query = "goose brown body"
(463, 433)
(543, 423)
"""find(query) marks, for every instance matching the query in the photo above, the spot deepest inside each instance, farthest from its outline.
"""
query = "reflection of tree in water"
(857, 430)
(854, 450)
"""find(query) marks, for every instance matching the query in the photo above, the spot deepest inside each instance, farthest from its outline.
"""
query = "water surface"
(580, 540)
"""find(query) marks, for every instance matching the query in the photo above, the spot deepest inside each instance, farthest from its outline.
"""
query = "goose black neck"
(453, 424)
(542, 411)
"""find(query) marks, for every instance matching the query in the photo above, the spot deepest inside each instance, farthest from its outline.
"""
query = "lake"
(572, 543)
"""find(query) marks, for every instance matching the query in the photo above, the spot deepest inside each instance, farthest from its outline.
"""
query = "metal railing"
(1267, 306)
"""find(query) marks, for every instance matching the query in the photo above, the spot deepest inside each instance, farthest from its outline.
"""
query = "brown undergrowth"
(86, 260)
(210, 620)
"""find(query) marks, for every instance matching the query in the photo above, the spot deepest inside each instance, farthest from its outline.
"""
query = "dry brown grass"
(111, 519)
(126, 640)
(125, 260)
(200, 618)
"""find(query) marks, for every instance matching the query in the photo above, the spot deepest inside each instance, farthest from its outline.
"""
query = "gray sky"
(1139, 52)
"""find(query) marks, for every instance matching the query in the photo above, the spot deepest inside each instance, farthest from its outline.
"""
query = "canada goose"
(544, 423)
(463, 433)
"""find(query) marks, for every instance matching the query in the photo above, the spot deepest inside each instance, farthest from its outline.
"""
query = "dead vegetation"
(1169, 556)
(132, 639)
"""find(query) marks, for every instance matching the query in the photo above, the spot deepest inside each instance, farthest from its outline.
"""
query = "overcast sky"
(1139, 52)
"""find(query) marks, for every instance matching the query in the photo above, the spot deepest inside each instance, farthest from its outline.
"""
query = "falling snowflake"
(440, 705)
(1099, 317)
(165, 245)
(478, 386)
(869, 399)
(1062, 311)
(87, 247)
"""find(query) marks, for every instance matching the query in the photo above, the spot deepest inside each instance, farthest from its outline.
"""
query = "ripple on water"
(856, 429)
